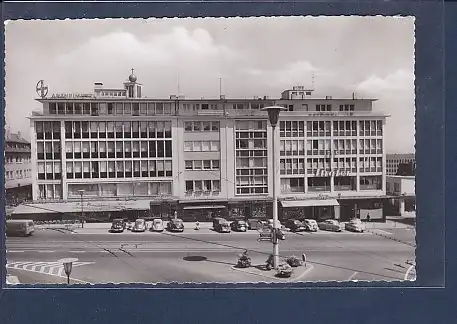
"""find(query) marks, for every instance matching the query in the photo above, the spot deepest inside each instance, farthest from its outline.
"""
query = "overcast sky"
(371, 56)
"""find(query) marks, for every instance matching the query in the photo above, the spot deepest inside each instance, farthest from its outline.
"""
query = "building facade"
(403, 190)
(18, 169)
(393, 160)
(209, 157)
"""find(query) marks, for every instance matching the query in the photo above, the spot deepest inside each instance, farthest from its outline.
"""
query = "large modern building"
(403, 191)
(118, 151)
(394, 160)
(18, 169)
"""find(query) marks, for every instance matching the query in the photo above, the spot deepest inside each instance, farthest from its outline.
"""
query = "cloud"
(400, 81)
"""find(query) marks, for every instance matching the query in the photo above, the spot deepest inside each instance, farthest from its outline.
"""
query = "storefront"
(259, 209)
(362, 208)
(163, 209)
(318, 209)
(203, 212)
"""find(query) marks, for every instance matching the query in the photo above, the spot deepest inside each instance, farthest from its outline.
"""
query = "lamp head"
(273, 114)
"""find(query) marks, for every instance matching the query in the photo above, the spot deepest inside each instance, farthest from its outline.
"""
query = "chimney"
(353, 96)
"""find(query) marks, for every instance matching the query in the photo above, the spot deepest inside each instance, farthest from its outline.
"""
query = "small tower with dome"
(133, 88)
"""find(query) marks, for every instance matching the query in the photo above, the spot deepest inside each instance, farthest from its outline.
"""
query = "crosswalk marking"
(51, 268)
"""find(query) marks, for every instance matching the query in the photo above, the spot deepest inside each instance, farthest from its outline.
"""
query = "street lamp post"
(81, 192)
(67, 266)
(273, 116)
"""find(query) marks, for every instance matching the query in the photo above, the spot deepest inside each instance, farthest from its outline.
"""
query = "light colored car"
(311, 225)
(330, 225)
(157, 225)
(20, 227)
(355, 225)
(139, 226)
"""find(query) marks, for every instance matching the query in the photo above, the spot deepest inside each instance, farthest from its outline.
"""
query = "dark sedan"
(239, 226)
(175, 225)
(295, 225)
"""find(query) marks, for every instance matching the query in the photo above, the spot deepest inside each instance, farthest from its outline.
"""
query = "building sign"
(72, 95)
(327, 114)
(41, 89)
(334, 173)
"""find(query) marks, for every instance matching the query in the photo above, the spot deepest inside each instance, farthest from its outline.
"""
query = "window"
(197, 165)
(215, 126)
(215, 164)
(215, 146)
(188, 164)
(189, 186)
(188, 146)
(207, 164)
(188, 126)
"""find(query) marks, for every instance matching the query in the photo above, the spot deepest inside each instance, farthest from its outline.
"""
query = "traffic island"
(298, 273)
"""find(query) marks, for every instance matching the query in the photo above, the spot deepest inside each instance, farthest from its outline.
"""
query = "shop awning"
(88, 206)
(310, 202)
(203, 207)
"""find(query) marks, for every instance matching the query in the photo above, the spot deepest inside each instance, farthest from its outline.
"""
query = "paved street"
(165, 257)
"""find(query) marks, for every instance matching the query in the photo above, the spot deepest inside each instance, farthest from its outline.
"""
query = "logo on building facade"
(41, 89)
(334, 173)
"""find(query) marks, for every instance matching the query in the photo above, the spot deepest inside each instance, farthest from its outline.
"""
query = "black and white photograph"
(210, 150)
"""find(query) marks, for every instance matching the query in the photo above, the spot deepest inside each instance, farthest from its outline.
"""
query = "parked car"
(157, 225)
(330, 225)
(19, 227)
(239, 226)
(139, 226)
(255, 224)
(310, 225)
(175, 225)
(221, 225)
(117, 226)
(294, 225)
(271, 222)
(355, 225)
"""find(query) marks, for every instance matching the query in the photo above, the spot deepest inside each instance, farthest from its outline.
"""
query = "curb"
(392, 239)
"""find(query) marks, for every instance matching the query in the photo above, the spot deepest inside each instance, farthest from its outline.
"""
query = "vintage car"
(255, 224)
(310, 225)
(330, 225)
(117, 226)
(294, 225)
(239, 226)
(355, 225)
(221, 225)
(157, 225)
(175, 225)
(20, 227)
(139, 226)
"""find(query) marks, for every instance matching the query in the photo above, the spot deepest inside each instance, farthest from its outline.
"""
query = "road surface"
(204, 256)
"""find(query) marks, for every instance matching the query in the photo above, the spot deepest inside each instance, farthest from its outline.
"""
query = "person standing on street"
(368, 217)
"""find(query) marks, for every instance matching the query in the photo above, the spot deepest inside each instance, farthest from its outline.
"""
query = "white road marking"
(15, 251)
(45, 251)
(385, 232)
(353, 275)
(77, 251)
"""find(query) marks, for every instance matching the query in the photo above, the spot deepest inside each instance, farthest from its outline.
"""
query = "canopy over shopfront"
(88, 206)
(309, 203)
(204, 207)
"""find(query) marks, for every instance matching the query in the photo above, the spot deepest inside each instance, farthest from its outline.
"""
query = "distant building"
(121, 152)
(403, 190)
(393, 160)
(18, 169)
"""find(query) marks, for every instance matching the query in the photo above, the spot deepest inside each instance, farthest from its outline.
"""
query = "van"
(19, 227)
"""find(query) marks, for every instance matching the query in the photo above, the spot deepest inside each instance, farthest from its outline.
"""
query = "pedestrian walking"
(368, 217)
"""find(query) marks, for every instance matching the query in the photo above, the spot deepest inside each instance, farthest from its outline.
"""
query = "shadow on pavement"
(195, 258)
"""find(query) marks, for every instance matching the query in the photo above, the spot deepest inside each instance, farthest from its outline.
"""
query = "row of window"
(18, 174)
(162, 188)
(249, 181)
(13, 145)
(296, 185)
(251, 125)
(252, 162)
(323, 147)
(297, 166)
(197, 186)
(17, 159)
(251, 153)
(117, 108)
(251, 190)
(105, 169)
(324, 128)
(201, 126)
(119, 129)
(201, 146)
(202, 164)
(251, 144)
(126, 189)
